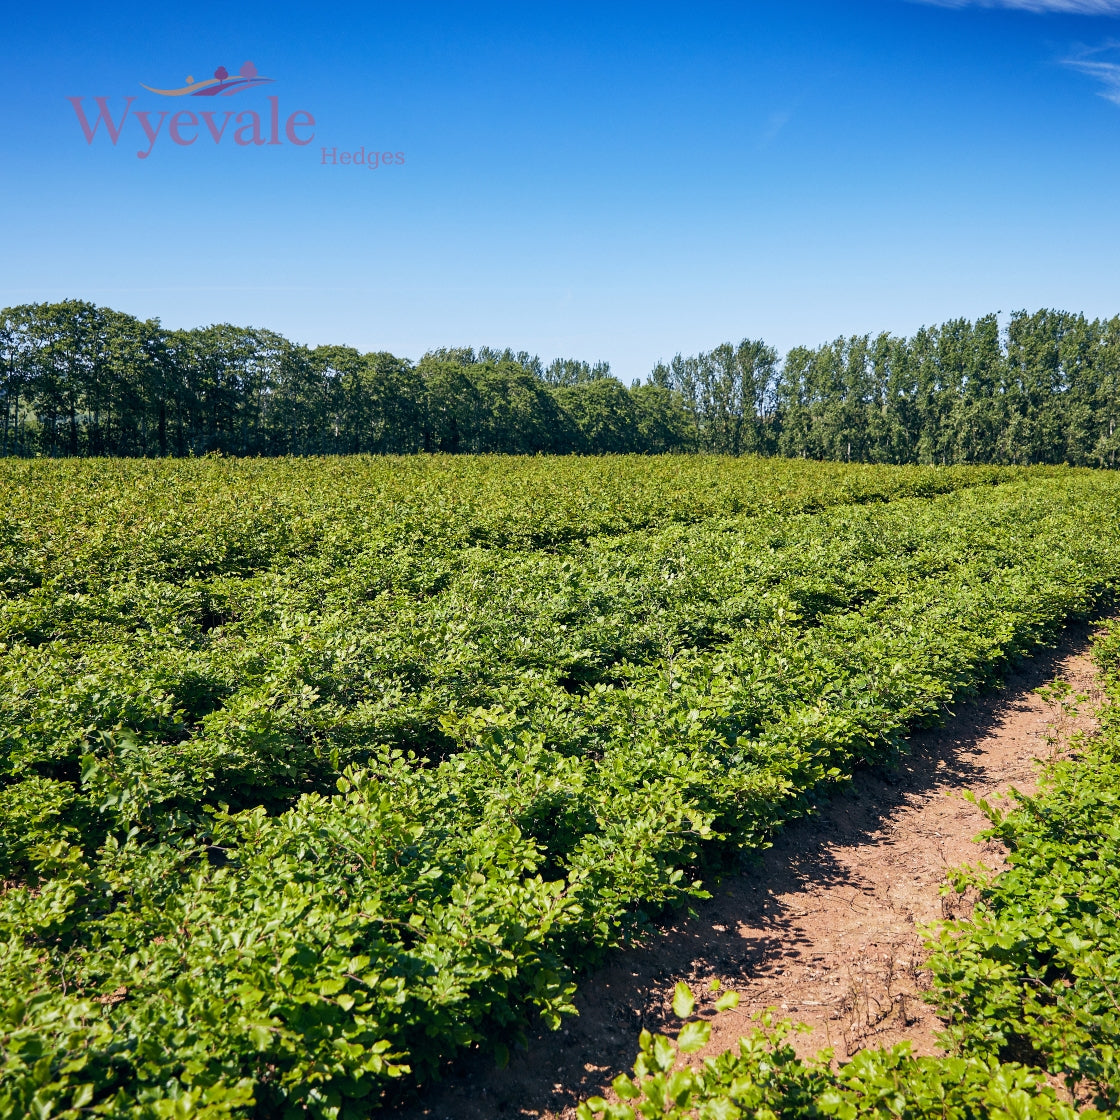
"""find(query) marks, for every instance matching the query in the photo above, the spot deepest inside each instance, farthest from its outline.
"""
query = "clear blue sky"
(600, 180)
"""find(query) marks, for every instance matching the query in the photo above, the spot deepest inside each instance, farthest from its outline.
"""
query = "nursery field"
(316, 772)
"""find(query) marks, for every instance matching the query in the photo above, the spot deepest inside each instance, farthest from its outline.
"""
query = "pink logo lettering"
(102, 103)
(149, 132)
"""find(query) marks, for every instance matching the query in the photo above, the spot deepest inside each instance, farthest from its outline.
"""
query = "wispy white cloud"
(1105, 70)
(1069, 7)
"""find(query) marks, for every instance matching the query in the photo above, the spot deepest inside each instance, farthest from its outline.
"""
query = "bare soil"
(826, 928)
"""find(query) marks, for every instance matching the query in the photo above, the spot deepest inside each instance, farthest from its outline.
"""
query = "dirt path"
(825, 928)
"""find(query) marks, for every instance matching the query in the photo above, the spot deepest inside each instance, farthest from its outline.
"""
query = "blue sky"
(602, 180)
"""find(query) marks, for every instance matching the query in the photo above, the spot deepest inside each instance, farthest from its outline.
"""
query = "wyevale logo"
(187, 127)
(246, 129)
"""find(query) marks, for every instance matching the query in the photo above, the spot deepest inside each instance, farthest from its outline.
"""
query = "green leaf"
(625, 1088)
(727, 1001)
(693, 1035)
(683, 1000)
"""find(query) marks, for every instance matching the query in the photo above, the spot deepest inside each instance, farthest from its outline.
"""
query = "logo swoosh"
(185, 89)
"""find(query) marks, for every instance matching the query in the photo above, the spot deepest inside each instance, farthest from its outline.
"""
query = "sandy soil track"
(825, 928)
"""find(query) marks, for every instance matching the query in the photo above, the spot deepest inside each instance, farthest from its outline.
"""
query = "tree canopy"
(78, 379)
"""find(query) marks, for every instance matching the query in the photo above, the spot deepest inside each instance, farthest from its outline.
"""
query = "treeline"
(77, 379)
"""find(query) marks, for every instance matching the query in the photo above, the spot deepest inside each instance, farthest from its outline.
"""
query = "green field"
(315, 772)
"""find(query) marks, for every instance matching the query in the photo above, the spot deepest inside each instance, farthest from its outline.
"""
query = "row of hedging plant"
(762, 1078)
(1034, 975)
(238, 890)
(72, 525)
(1027, 985)
(256, 649)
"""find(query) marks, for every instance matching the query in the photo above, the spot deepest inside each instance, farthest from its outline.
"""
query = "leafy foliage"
(312, 773)
(763, 1079)
(1034, 973)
